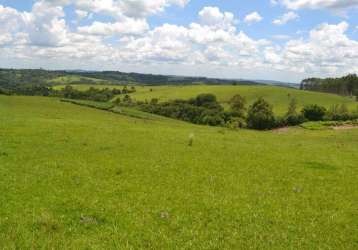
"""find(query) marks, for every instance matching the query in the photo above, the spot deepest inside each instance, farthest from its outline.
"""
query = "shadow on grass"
(319, 166)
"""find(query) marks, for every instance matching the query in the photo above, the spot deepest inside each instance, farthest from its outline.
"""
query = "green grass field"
(69, 79)
(279, 97)
(74, 177)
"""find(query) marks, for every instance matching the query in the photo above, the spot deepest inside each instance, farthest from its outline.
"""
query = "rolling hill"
(73, 177)
(279, 97)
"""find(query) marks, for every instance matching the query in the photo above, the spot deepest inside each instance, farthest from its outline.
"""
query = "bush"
(314, 112)
(205, 99)
(294, 119)
(212, 120)
(236, 122)
(338, 113)
(260, 115)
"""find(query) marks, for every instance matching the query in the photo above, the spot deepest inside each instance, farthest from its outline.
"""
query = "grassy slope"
(278, 96)
(63, 80)
(74, 177)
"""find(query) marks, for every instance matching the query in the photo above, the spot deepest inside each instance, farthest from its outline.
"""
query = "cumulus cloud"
(212, 41)
(118, 8)
(287, 17)
(81, 14)
(328, 50)
(253, 17)
(212, 16)
(125, 26)
(319, 4)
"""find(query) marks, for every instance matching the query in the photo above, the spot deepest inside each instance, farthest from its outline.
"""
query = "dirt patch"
(345, 127)
(281, 130)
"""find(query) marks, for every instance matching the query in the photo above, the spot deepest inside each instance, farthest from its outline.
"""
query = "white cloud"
(125, 26)
(212, 16)
(287, 17)
(118, 8)
(327, 51)
(47, 26)
(281, 37)
(81, 14)
(320, 4)
(5, 38)
(253, 17)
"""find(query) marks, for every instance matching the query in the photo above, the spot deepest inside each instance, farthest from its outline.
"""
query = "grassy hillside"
(71, 79)
(278, 96)
(73, 177)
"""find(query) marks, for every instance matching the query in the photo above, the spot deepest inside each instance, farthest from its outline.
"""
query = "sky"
(285, 40)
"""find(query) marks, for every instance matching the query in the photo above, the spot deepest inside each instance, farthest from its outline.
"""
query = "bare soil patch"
(345, 127)
(281, 130)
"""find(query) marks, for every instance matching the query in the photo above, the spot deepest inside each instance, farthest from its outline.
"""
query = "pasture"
(279, 97)
(74, 177)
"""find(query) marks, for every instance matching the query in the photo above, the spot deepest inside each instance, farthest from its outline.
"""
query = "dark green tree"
(260, 115)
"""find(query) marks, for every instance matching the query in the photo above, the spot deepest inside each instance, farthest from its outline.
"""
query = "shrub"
(203, 99)
(260, 115)
(154, 101)
(338, 113)
(127, 99)
(212, 120)
(294, 119)
(236, 122)
(314, 112)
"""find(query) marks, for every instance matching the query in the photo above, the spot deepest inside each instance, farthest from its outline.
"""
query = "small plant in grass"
(191, 139)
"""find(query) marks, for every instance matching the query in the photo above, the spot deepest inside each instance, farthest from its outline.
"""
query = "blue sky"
(284, 40)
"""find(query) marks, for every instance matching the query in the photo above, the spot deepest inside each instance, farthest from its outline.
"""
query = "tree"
(117, 101)
(292, 118)
(154, 101)
(260, 115)
(355, 93)
(238, 105)
(292, 107)
(127, 99)
(314, 112)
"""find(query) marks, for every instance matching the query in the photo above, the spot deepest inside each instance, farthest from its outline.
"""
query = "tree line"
(17, 77)
(347, 85)
(206, 110)
(92, 94)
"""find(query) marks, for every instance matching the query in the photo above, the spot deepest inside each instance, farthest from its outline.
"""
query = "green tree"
(260, 115)
(292, 117)
(127, 99)
(238, 105)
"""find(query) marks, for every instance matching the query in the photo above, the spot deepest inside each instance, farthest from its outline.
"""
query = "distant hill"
(278, 83)
(20, 77)
(15, 78)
